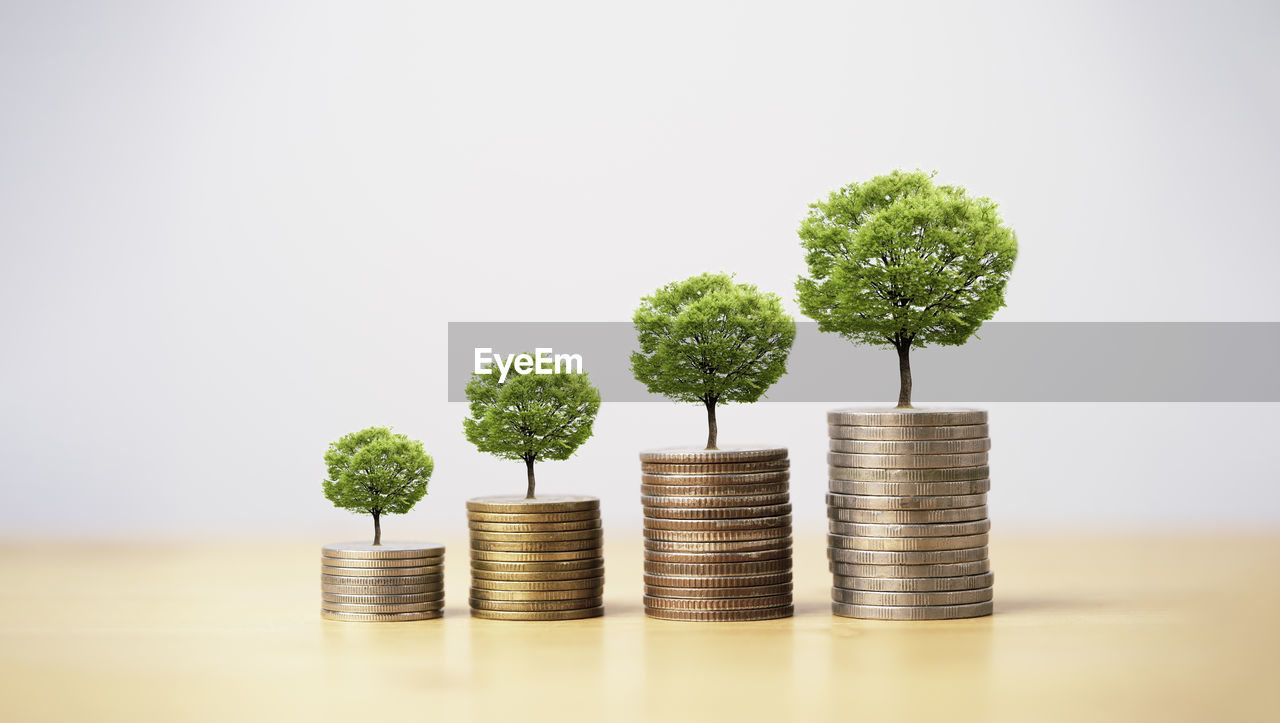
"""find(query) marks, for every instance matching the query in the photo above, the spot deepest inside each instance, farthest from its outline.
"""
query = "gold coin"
(915, 584)
(717, 513)
(716, 480)
(433, 597)
(590, 553)
(536, 606)
(380, 589)
(975, 527)
(919, 612)
(889, 434)
(769, 533)
(770, 488)
(906, 557)
(906, 417)
(950, 597)
(535, 595)
(734, 524)
(367, 572)
(716, 582)
(952, 569)
(380, 617)
(761, 567)
(513, 504)
(533, 546)
(588, 563)
(900, 489)
(522, 527)
(718, 592)
(533, 517)
(543, 576)
(543, 615)
(734, 603)
(558, 536)
(774, 543)
(387, 550)
(908, 502)
(671, 501)
(584, 583)
(902, 447)
(907, 517)
(428, 579)
(703, 558)
(907, 461)
(335, 607)
(368, 564)
(714, 468)
(721, 616)
(944, 474)
(727, 453)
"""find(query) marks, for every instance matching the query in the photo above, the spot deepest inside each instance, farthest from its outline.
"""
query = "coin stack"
(390, 582)
(538, 559)
(908, 515)
(717, 531)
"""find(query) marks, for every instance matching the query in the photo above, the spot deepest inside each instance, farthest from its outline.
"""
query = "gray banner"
(1012, 362)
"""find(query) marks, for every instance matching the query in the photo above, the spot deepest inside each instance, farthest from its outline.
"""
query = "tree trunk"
(904, 375)
(377, 528)
(528, 464)
(712, 431)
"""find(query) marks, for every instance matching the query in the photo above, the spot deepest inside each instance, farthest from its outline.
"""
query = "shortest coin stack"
(536, 559)
(392, 582)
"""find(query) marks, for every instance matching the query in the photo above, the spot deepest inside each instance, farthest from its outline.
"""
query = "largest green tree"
(900, 261)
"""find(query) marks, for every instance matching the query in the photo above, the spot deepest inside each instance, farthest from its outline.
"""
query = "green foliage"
(899, 261)
(375, 471)
(707, 339)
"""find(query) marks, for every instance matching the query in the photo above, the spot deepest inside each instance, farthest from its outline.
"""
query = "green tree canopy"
(376, 472)
(531, 416)
(902, 262)
(708, 339)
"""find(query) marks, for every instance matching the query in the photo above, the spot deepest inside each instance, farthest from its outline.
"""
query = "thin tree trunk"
(712, 431)
(377, 528)
(528, 464)
(904, 375)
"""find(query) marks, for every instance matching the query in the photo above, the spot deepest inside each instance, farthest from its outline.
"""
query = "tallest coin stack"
(908, 515)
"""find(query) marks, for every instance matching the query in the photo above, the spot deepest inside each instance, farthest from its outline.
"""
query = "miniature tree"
(708, 339)
(531, 416)
(899, 261)
(377, 472)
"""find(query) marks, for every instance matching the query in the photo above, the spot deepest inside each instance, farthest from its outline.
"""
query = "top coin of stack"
(908, 516)
(538, 559)
(391, 582)
(717, 533)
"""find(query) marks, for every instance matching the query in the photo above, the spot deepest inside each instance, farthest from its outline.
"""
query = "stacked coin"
(390, 582)
(538, 559)
(717, 531)
(908, 516)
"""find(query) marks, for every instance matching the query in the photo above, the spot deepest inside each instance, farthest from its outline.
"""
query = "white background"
(234, 231)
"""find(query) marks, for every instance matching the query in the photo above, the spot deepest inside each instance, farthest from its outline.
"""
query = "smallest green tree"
(708, 339)
(530, 417)
(377, 472)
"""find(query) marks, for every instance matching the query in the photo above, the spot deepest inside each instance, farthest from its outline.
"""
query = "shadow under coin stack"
(538, 559)
(908, 515)
(391, 582)
(717, 532)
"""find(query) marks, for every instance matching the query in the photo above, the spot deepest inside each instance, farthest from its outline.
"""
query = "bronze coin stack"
(536, 559)
(908, 515)
(385, 583)
(717, 531)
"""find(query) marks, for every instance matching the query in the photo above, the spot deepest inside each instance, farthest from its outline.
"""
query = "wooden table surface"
(1092, 628)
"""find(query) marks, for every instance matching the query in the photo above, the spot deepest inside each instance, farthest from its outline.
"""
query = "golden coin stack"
(538, 559)
(717, 532)
(908, 515)
(391, 582)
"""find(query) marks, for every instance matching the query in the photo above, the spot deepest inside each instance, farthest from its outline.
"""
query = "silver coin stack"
(391, 582)
(717, 531)
(908, 515)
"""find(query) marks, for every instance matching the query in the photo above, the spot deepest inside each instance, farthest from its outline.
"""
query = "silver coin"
(715, 468)
(904, 544)
(949, 597)
(729, 603)
(883, 571)
(716, 480)
(906, 557)
(872, 417)
(371, 572)
(537, 546)
(335, 607)
(540, 536)
(370, 563)
(943, 446)
(672, 502)
(888, 434)
(381, 589)
(740, 523)
(731, 546)
(432, 597)
(387, 550)
(769, 488)
(717, 513)
(717, 592)
(841, 489)
(907, 502)
(380, 617)
(699, 558)
(429, 579)
(727, 453)
(920, 612)
(945, 474)
(719, 581)
(907, 517)
(951, 529)
(907, 461)
(915, 584)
